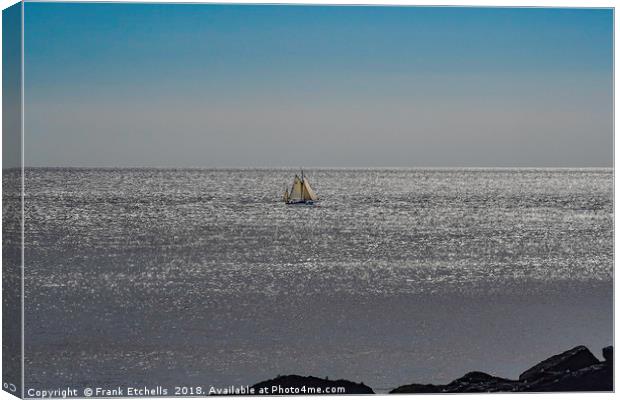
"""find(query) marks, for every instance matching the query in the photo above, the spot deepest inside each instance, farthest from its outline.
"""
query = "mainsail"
(297, 189)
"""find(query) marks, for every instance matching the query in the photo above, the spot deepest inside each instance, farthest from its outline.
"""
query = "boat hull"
(300, 202)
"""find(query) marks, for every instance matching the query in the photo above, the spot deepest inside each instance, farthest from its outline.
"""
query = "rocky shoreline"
(576, 369)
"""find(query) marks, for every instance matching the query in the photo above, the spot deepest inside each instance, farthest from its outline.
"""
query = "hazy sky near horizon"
(179, 85)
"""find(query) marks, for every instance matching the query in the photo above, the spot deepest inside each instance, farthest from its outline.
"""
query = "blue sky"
(11, 86)
(238, 85)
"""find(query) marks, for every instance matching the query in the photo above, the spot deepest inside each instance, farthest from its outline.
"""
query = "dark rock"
(479, 382)
(574, 370)
(477, 377)
(571, 360)
(305, 385)
(418, 388)
(468, 383)
(594, 378)
(608, 354)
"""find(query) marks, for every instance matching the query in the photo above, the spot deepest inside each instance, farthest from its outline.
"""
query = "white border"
(482, 3)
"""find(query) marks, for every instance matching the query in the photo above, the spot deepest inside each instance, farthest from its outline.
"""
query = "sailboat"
(301, 192)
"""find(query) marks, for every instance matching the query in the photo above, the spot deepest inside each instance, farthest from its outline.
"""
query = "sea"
(205, 278)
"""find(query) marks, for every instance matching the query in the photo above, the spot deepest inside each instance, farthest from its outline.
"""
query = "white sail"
(307, 192)
(297, 189)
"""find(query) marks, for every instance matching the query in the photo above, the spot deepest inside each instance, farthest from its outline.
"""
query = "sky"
(195, 85)
(11, 86)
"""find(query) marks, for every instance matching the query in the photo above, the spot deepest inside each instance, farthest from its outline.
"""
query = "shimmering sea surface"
(203, 277)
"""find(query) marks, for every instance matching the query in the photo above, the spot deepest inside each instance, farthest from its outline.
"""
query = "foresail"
(307, 192)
